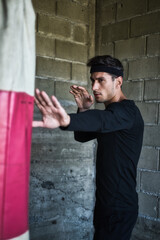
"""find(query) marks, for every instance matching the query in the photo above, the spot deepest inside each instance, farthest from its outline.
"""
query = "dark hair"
(107, 61)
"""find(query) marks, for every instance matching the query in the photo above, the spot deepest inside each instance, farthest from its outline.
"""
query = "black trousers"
(117, 225)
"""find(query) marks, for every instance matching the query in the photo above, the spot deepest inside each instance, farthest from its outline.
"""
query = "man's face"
(103, 86)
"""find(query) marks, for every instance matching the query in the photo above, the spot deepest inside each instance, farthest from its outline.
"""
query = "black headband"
(103, 68)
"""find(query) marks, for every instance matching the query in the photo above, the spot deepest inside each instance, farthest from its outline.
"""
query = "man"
(119, 133)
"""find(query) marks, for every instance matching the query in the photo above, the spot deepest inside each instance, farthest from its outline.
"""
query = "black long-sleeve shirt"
(119, 132)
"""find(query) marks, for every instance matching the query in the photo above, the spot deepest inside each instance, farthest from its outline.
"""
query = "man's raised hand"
(53, 114)
(83, 99)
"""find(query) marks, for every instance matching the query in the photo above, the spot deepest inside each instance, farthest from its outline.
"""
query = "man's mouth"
(96, 94)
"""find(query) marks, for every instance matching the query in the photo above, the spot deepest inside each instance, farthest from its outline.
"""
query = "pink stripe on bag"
(16, 113)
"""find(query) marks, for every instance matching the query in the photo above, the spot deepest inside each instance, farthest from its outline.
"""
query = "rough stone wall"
(130, 31)
(62, 170)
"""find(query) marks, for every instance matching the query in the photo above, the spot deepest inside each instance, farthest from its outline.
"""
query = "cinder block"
(46, 85)
(47, 6)
(154, 5)
(151, 136)
(152, 90)
(70, 107)
(133, 90)
(108, 2)
(45, 135)
(71, 51)
(148, 158)
(72, 10)
(45, 46)
(80, 33)
(128, 8)
(145, 24)
(79, 73)
(147, 205)
(153, 45)
(108, 14)
(159, 115)
(125, 73)
(130, 48)
(115, 31)
(107, 49)
(52, 68)
(149, 112)
(144, 68)
(150, 182)
(54, 26)
(83, 2)
(146, 228)
(138, 180)
(62, 91)
(159, 207)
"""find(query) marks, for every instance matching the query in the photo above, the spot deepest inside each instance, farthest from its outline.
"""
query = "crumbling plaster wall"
(62, 170)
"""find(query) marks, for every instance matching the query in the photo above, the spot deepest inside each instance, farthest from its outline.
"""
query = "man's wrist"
(67, 121)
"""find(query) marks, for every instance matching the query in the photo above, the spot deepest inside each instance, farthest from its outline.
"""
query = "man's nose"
(95, 86)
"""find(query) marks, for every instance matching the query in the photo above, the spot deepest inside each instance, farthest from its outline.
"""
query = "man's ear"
(119, 81)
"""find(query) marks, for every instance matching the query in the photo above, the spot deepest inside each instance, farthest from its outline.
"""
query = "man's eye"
(100, 80)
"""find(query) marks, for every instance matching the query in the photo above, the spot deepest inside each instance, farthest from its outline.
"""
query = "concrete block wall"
(130, 31)
(62, 170)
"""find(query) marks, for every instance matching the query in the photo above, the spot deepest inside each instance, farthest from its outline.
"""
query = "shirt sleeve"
(84, 136)
(114, 118)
